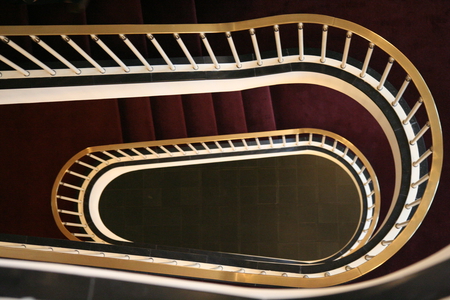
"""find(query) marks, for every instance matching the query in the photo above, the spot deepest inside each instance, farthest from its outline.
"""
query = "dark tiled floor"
(300, 207)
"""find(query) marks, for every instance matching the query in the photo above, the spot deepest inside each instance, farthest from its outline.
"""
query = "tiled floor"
(300, 207)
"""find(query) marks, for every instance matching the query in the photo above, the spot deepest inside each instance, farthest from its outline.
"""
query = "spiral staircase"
(238, 79)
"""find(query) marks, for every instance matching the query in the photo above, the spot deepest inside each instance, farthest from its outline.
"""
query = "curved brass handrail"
(406, 228)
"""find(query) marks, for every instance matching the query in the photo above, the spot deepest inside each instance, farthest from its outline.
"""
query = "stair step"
(229, 111)
(136, 119)
(199, 115)
(258, 109)
(168, 117)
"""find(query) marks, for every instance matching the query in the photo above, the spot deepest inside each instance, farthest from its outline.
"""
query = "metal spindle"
(210, 51)
(83, 53)
(385, 73)
(77, 174)
(165, 150)
(423, 157)
(110, 53)
(112, 156)
(161, 51)
(83, 235)
(334, 145)
(71, 186)
(324, 44)
(125, 154)
(231, 144)
(179, 149)
(256, 47)
(386, 243)
(401, 225)
(301, 49)
(310, 138)
(354, 160)
(420, 181)
(206, 147)
(151, 151)
(258, 143)
(271, 142)
(193, 148)
(68, 199)
(367, 60)
(218, 146)
(420, 133)
(245, 144)
(345, 152)
(58, 56)
(138, 153)
(27, 55)
(362, 170)
(14, 66)
(284, 140)
(233, 50)
(322, 143)
(369, 257)
(186, 51)
(86, 165)
(402, 90)
(370, 195)
(368, 181)
(348, 39)
(413, 111)
(69, 212)
(276, 29)
(98, 158)
(412, 204)
(136, 52)
(297, 139)
(74, 224)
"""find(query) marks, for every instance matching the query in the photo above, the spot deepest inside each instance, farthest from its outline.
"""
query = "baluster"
(324, 44)
(152, 152)
(58, 56)
(401, 91)
(125, 154)
(68, 199)
(206, 147)
(27, 55)
(385, 73)
(412, 204)
(161, 51)
(165, 150)
(193, 148)
(413, 111)
(278, 43)
(136, 52)
(14, 66)
(210, 51)
(423, 157)
(83, 53)
(110, 53)
(185, 50)
(367, 60)
(179, 149)
(112, 156)
(301, 49)
(233, 49)
(420, 133)
(98, 158)
(255, 47)
(348, 39)
(138, 153)
(420, 181)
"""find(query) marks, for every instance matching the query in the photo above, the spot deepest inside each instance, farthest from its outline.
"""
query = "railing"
(406, 128)
(95, 159)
